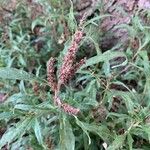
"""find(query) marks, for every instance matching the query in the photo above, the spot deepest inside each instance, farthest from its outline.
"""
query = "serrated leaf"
(37, 131)
(15, 74)
(117, 143)
(15, 132)
(67, 139)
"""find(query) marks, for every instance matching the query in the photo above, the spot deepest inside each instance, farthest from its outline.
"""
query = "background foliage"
(112, 89)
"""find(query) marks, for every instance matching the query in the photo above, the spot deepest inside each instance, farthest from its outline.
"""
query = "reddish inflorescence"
(66, 72)
(36, 88)
(68, 68)
(51, 78)
(69, 109)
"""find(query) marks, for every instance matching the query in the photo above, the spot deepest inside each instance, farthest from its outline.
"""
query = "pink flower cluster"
(66, 72)
(51, 78)
(69, 67)
(69, 109)
(66, 107)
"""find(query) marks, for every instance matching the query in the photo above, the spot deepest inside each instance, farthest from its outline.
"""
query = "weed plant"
(106, 99)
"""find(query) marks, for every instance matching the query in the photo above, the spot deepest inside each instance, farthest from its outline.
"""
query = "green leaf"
(130, 29)
(139, 132)
(67, 139)
(14, 132)
(146, 129)
(38, 21)
(101, 131)
(79, 123)
(146, 69)
(91, 21)
(15, 74)
(94, 40)
(17, 98)
(22, 60)
(145, 62)
(125, 86)
(128, 98)
(24, 107)
(90, 86)
(130, 141)
(117, 143)
(71, 20)
(106, 68)
(103, 58)
(37, 130)
(6, 115)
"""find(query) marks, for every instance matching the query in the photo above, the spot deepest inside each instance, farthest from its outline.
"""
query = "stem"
(57, 101)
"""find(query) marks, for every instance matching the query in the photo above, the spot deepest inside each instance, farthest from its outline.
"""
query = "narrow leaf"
(15, 132)
(101, 131)
(37, 130)
(103, 58)
(6, 115)
(67, 139)
(117, 143)
(130, 141)
(12, 73)
(71, 20)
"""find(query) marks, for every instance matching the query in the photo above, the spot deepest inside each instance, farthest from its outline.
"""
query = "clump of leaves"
(111, 89)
